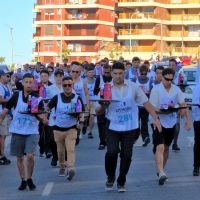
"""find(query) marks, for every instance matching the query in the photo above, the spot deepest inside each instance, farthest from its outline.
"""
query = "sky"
(18, 15)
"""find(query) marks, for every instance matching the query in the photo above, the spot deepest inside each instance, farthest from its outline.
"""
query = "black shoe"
(4, 161)
(48, 155)
(175, 147)
(30, 184)
(90, 136)
(110, 183)
(23, 185)
(196, 171)
(146, 141)
(54, 162)
(70, 174)
(102, 147)
(84, 130)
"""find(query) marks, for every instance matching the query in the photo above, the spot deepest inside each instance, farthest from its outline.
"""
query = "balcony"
(143, 15)
(189, 17)
(136, 32)
(138, 48)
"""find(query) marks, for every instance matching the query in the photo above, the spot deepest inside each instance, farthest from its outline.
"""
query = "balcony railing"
(166, 1)
(189, 17)
(136, 15)
(138, 48)
(136, 32)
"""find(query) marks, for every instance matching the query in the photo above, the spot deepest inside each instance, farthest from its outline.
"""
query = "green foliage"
(2, 59)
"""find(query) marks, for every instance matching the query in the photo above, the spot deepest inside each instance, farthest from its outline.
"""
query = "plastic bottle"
(107, 91)
(34, 105)
(78, 106)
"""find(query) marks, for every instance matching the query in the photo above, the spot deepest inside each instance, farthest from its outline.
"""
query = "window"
(48, 30)
(76, 14)
(49, 14)
(48, 45)
(74, 47)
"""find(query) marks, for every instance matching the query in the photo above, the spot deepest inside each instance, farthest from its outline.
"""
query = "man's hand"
(104, 104)
(156, 124)
(45, 121)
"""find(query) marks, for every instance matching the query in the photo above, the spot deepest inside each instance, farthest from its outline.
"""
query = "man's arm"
(96, 87)
(102, 108)
(152, 112)
(86, 94)
(3, 115)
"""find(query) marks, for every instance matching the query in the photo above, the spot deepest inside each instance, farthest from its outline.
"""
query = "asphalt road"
(90, 176)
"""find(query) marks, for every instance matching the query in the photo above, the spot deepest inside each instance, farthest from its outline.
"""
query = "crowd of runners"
(54, 105)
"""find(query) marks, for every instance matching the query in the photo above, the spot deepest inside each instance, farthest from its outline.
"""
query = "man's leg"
(159, 157)
(91, 126)
(60, 141)
(175, 146)
(30, 165)
(127, 141)
(70, 141)
(47, 141)
(101, 123)
(53, 148)
(111, 156)
(196, 148)
(21, 168)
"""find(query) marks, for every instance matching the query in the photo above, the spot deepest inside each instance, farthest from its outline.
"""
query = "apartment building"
(91, 29)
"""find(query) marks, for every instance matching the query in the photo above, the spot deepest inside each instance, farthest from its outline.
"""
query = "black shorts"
(165, 137)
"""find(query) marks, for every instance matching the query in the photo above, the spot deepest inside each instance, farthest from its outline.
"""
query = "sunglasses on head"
(75, 72)
(168, 79)
(67, 85)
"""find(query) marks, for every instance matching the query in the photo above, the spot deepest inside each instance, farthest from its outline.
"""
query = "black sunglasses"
(8, 76)
(144, 74)
(67, 85)
(75, 72)
(168, 79)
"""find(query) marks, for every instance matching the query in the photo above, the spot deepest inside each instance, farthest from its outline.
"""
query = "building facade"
(93, 29)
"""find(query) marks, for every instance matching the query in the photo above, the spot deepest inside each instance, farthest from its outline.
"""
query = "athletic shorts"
(165, 137)
(5, 126)
(23, 144)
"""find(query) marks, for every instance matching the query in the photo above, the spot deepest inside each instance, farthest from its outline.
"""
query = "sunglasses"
(75, 72)
(168, 79)
(144, 74)
(67, 85)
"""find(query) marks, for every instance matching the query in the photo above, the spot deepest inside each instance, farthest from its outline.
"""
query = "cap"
(5, 71)
(59, 71)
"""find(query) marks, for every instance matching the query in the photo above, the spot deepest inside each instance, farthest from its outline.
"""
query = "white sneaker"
(81, 136)
(162, 178)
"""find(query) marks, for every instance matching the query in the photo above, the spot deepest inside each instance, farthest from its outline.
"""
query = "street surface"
(90, 176)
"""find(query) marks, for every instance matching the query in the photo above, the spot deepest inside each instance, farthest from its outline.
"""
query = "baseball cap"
(4, 72)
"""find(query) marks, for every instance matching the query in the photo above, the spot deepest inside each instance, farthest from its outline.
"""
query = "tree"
(2, 59)
(66, 53)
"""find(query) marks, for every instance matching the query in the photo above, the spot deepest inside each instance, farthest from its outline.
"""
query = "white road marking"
(48, 188)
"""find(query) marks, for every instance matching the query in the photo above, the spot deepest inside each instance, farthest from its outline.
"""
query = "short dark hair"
(59, 71)
(136, 59)
(118, 65)
(128, 63)
(172, 60)
(106, 66)
(28, 75)
(50, 67)
(90, 67)
(67, 78)
(75, 63)
(160, 68)
(168, 71)
(143, 68)
(44, 71)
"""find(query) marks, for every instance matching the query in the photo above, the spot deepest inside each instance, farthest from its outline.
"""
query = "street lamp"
(61, 30)
(11, 43)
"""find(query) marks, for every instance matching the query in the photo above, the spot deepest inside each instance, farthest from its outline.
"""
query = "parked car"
(190, 73)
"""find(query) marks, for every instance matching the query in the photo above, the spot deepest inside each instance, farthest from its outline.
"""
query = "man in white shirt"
(162, 97)
(122, 124)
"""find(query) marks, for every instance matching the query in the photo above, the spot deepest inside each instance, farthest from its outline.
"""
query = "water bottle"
(102, 92)
(78, 106)
(107, 91)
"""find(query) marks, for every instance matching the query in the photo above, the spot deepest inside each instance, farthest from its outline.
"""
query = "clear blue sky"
(17, 14)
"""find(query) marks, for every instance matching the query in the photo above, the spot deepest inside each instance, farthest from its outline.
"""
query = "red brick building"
(92, 29)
